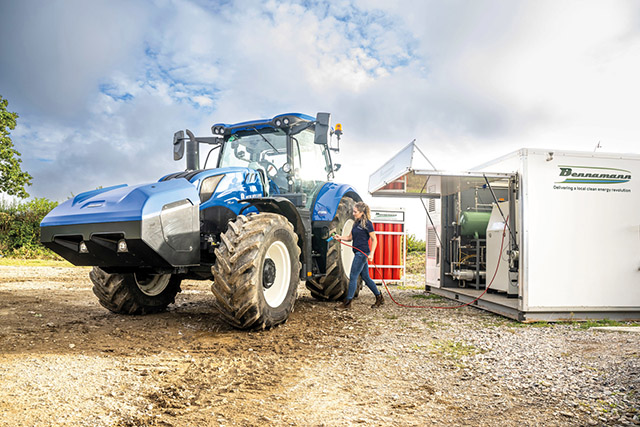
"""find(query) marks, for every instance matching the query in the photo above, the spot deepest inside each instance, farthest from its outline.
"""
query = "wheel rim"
(152, 284)
(276, 274)
(346, 253)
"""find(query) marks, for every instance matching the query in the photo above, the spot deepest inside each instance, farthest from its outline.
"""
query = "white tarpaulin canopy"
(399, 178)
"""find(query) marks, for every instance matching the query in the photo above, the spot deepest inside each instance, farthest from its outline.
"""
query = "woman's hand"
(370, 257)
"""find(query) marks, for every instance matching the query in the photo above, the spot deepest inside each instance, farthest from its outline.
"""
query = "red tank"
(389, 256)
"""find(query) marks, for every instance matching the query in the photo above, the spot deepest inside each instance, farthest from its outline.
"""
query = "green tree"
(415, 245)
(12, 179)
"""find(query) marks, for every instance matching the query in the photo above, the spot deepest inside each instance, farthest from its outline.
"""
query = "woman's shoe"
(379, 301)
(344, 305)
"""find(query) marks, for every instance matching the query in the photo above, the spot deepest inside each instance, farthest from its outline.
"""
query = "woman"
(361, 232)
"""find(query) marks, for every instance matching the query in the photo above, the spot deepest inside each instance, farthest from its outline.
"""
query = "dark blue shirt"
(361, 236)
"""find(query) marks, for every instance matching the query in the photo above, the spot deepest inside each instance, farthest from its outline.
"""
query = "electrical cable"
(504, 233)
(495, 199)
(466, 257)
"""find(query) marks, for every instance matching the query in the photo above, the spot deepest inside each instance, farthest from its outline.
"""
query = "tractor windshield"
(265, 152)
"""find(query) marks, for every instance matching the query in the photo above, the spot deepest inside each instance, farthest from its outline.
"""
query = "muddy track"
(65, 360)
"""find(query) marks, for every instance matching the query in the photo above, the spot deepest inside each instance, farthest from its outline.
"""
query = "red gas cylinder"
(376, 274)
(389, 258)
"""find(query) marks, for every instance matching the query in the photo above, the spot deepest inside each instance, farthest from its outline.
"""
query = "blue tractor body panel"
(237, 184)
(120, 203)
(160, 222)
(327, 200)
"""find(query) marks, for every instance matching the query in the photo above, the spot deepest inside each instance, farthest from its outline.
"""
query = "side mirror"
(322, 128)
(178, 145)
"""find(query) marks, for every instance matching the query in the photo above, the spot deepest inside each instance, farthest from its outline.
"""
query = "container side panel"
(583, 231)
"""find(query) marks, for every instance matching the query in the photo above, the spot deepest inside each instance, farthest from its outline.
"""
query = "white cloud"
(203, 101)
(101, 86)
(56, 52)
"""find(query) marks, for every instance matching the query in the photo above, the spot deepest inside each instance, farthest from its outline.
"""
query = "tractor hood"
(120, 203)
(143, 225)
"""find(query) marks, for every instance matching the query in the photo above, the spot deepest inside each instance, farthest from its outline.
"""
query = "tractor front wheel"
(134, 293)
(257, 271)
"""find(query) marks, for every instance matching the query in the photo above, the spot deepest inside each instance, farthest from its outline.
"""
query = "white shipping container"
(580, 219)
(577, 226)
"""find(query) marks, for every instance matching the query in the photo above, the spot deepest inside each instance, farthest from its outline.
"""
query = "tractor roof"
(262, 123)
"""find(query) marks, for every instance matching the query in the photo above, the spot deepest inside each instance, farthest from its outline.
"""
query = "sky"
(101, 86)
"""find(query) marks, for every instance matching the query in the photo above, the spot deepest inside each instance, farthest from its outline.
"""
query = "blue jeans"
(360, 267)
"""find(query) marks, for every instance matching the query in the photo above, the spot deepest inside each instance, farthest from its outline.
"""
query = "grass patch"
(541, 324)
(544, 324)
(418, 347)
(603, 322)
(431, 324)
(410, 287)
(510, 323)
(455, 350)
(416, 262)
(18, 262)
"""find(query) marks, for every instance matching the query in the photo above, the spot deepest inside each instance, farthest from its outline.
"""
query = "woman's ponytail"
(363, 208)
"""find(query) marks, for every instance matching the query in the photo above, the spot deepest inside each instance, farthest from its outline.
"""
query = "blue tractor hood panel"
(223, 186)
(328, 199)
(121, 203)
(158, 222)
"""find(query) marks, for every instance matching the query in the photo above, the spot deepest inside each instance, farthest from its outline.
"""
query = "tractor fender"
(326, 203)
(279, 205)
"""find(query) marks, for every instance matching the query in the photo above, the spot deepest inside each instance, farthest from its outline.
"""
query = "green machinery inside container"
(474, 224)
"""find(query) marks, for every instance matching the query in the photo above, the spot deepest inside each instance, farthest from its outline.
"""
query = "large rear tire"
(257, 271)
(134, 293)
(334, 285)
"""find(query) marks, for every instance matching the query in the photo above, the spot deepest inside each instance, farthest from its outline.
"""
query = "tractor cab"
(290, 152)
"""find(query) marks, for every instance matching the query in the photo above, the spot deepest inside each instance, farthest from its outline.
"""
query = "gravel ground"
(64, 360)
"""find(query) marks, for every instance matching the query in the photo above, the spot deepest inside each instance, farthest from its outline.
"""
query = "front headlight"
(122, 246)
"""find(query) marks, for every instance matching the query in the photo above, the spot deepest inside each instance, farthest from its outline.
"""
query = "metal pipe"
(193, 152)
(467, 275)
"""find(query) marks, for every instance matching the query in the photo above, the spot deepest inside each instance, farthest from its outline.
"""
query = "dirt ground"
(65, 360)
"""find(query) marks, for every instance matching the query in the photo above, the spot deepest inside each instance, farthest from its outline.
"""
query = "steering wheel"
(272, 170)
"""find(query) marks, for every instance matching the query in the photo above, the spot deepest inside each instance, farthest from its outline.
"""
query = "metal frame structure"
(570, 246)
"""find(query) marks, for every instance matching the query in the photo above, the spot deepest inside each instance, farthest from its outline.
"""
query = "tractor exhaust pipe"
(193, 152)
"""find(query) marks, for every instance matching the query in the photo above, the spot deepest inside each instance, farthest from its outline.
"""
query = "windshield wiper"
(265, 139)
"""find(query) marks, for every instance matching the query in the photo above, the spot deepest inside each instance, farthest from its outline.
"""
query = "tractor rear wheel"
(134, 293)
(257, 271)
(333, 286)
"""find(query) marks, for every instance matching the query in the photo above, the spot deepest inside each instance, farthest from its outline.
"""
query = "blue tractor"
(255, 225)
